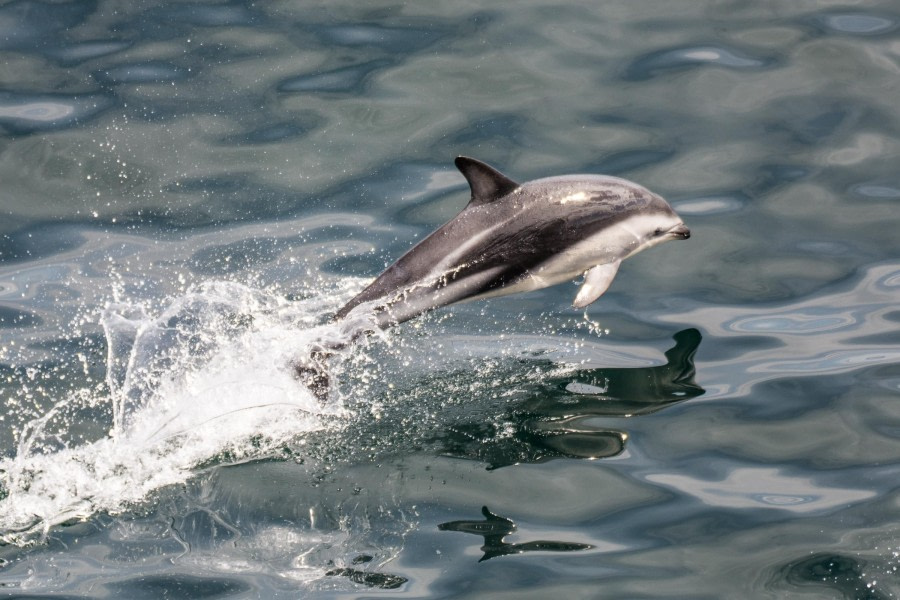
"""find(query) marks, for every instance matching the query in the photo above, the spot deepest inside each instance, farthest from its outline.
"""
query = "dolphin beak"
(680, 231)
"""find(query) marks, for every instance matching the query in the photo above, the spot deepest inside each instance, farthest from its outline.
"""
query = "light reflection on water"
(764, 488)
(824, 334)
(37, 111)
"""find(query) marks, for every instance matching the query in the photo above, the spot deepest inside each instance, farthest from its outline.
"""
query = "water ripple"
(343, 80)
(830, 332)
(145, 72)
(795, 323)
(209, 15)
(22, 114)
(25, 22)
(12, 317)
(72, 54)
(676, 59)
(856, 23)
(274, 132)
(878, 191)
(394, 39)
(833, 362)
(710, 205)
(760, 487)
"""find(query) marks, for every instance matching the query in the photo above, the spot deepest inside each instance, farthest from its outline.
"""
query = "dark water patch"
(610, 119)
(345, 80)
(13, 318)
(332, 233)
(359, 265)
(651, 120)
(415, 190)
(431, 212)
(143, 72)
(765, 281)
(893, 316)
(734, 347)
(168, 110)
(29, 24)
(181, 20)
(885, 339)
(72, 54)
(24, 114)
(230, 197)
(764, 179)
(47, 596)
(708, 526)
(230, 258)
(790, 398)
(59, 291)
(178, 586)
(70, 346)
(884, 377)
(401, 185)
(415, 180)
(76, 363)
(835, 572)
(209, 15)
(662, 62)
(272, 133)
(217, 53)
(39, 240)
(809, 120)
(853, 23)
(489, 129)
(622, 162)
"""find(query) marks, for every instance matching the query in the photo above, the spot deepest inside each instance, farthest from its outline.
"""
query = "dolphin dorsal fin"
(487, 183)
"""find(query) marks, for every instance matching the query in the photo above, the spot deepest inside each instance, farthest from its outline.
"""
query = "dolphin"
(514, 237)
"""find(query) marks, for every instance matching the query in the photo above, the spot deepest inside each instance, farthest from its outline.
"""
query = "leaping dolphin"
(514, 237)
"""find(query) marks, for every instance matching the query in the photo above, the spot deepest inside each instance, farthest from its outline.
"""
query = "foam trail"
(209, 379)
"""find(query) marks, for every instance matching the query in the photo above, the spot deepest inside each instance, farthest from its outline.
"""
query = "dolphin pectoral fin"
(596, 281)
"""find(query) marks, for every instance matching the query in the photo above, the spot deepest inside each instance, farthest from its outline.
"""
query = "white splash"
(207, 380)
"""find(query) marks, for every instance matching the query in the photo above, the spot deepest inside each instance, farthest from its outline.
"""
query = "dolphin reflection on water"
(494, 528)
(559, 419)
(509, 238)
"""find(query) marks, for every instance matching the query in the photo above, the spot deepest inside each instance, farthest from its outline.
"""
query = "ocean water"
(189, 190)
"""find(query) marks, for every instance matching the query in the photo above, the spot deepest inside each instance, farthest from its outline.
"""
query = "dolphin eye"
(658, 232)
